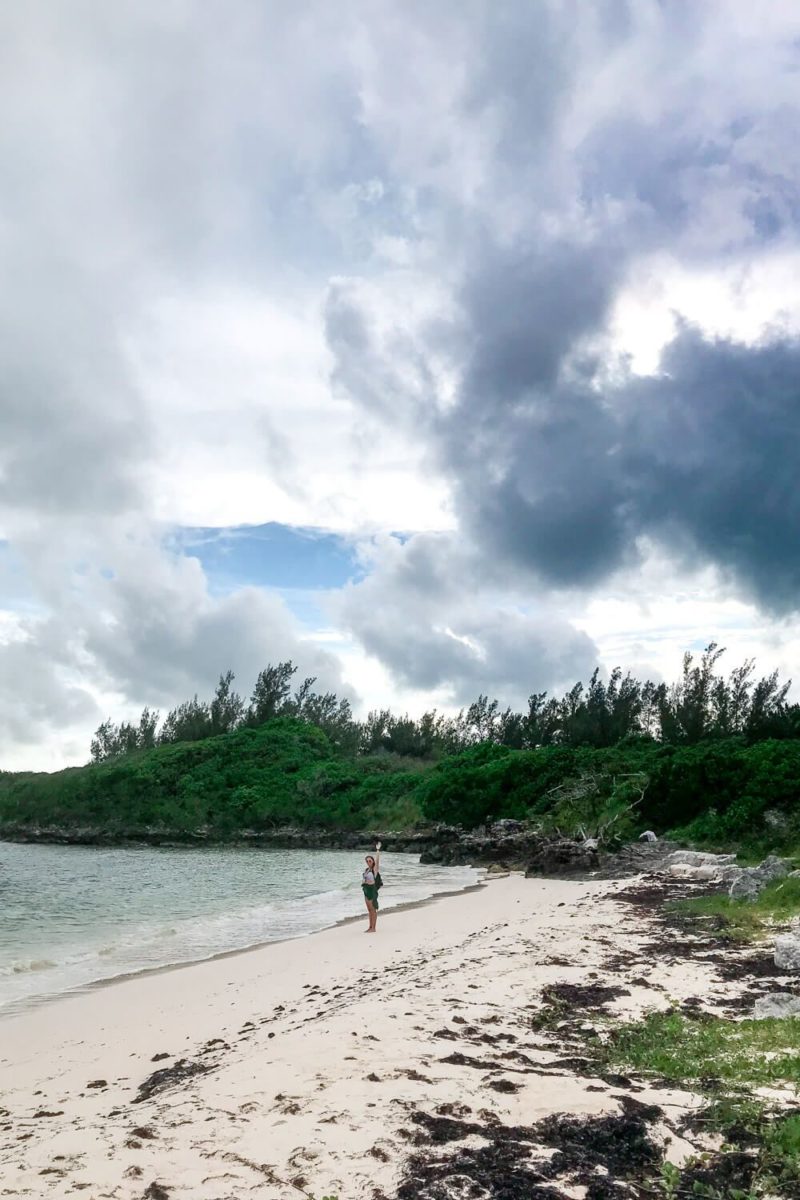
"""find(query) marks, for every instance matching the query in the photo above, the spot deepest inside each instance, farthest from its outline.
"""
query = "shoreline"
(32, 1003)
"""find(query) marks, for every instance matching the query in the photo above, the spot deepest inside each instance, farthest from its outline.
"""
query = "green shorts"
(370, 893)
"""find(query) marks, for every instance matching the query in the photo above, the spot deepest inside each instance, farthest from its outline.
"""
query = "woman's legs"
(373, 916)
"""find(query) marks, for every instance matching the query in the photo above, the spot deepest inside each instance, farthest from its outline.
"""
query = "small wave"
(38, 964)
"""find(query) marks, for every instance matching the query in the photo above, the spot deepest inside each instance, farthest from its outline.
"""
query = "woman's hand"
(377, 845)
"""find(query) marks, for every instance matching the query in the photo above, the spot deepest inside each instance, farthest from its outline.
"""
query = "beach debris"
(524, 1162)
(145, 1132)
(503, 1085)
(98, 1083)
(168, 1077)
(160, 1057)
(156, 1191)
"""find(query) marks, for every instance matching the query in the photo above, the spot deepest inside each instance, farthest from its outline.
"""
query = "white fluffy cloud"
(373, 268)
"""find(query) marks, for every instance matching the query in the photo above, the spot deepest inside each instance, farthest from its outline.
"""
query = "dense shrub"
(288, 772)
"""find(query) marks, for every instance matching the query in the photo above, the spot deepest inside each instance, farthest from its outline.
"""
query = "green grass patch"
(771, 1141)
(689, 1050)
(747, 920)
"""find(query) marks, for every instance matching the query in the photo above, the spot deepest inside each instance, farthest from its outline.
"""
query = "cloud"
(360, 268)
(148, 632)
(429, 613)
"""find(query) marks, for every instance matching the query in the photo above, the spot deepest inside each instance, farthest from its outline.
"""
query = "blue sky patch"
(271, 555)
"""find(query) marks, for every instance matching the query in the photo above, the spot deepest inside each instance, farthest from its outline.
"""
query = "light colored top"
(369, 876)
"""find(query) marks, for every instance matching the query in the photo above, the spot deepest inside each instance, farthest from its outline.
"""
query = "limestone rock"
(698, 858)
(752, 881)
(779, 1004)
(787, 952)
(773, 868)
(648, 836)
(700, 874)
(746, 886)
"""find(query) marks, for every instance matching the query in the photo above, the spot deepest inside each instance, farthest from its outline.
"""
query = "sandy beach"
(309, 1068)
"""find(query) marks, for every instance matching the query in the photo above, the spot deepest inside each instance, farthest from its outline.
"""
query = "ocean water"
(77, 915)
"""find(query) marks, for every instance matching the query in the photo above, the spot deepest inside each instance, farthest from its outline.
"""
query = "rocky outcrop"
(413, 842)
(512, 845)
(697, 866)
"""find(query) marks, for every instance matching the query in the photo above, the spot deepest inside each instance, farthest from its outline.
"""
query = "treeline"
(702, 704)
(227, 711)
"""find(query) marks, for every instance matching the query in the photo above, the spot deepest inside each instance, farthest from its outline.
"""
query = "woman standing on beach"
(370, 882)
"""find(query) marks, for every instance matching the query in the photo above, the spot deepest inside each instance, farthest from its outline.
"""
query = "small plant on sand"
(670, 1180)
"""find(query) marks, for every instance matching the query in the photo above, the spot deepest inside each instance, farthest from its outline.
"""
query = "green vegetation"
(687, 1049)
(284, 773)
(746, 920)
(713, 760)
(759, 1155)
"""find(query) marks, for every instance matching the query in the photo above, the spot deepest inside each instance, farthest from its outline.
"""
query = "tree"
(227, 707)
(271, 693)
(189, 722)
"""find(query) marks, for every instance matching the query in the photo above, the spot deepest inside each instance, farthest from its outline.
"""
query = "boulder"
(697, 858)
(506, 826)
(700, 874)
(752, 880)
(773, 868)
(787, 952)
(779, 1004)
(648, 836)
(746, 886)
(496, 869)
(561, 856)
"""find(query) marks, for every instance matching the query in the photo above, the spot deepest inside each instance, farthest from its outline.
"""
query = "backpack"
(378, 880)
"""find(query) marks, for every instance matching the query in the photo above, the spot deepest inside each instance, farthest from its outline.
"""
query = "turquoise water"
(75, 915)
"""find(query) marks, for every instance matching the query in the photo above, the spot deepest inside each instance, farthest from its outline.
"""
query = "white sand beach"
(316, 1052)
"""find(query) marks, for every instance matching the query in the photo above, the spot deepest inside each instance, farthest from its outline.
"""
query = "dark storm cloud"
(704, 457)
(554, 468)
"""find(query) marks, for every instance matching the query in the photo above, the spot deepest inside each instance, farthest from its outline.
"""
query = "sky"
(440, 348)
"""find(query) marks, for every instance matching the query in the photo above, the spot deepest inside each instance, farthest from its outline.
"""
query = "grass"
(690, 1050)
(747, 920)
(757, 1140)
(771, 1139)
